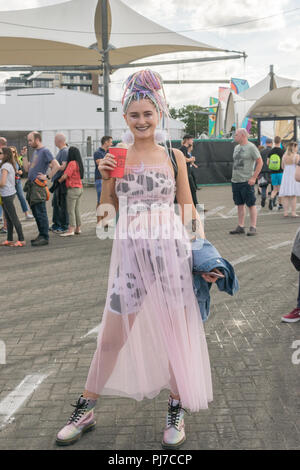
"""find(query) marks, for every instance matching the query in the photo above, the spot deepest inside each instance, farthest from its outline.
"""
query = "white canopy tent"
(237, 106)
(279, 104)
(64, 34)
(264, 86)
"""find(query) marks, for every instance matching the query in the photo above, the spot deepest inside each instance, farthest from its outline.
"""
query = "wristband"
(105, 179)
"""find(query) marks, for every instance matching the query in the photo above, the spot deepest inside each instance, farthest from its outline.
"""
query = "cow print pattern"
(128, 290)
(154, 185)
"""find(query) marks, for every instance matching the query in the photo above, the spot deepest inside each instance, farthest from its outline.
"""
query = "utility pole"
(105, 65)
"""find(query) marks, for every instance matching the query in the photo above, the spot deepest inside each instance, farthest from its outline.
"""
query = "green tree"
(254, 128)
(191, 115)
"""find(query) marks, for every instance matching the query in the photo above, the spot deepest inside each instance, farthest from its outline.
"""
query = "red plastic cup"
(120, 157)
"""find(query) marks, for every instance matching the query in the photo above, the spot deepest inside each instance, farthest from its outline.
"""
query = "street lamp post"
(105, 65)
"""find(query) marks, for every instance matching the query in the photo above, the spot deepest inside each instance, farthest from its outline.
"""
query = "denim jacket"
(205, 258)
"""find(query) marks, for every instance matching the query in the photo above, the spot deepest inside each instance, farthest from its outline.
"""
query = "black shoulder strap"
(174, 162)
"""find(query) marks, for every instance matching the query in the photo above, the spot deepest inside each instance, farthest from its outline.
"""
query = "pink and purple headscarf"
(145, 84)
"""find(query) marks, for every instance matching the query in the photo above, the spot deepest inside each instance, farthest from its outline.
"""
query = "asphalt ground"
(52, 298)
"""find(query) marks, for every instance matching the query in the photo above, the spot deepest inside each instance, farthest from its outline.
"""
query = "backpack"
(274, 162)
(295, 255)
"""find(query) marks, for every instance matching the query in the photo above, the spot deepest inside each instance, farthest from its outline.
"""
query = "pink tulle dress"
(151, 336)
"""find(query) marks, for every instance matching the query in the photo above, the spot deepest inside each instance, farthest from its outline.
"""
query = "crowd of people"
(272, 166)
(66, 172)
(279, 166)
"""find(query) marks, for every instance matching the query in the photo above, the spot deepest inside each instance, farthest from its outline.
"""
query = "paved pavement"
(52, 297)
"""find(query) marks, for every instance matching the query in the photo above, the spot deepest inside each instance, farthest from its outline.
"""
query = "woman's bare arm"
(297, 173)
(4, 174)
(190, 216)
(108, 198)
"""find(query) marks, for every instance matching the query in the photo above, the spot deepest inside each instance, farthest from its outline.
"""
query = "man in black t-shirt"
(106, 142)
(265, 172)
(276, 175)
(187, 141)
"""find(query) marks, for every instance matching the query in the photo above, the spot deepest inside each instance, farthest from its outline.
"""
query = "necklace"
(138, 169)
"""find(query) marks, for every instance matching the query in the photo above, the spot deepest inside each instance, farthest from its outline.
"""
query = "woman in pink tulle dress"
(151, 336)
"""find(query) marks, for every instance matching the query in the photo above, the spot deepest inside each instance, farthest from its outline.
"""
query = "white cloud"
(289, 44)
(204, 16)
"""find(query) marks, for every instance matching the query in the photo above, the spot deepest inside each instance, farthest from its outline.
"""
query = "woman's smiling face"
(142, 118)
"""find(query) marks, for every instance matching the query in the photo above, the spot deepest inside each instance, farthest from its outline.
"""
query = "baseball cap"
(269, 141)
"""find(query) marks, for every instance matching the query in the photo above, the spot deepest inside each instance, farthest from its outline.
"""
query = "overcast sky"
(273, 39)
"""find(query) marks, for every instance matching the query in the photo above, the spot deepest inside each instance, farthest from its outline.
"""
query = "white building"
(70, 80)
(78, 115)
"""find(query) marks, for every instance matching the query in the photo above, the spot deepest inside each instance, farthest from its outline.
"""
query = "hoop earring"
(127, 137)
(160, 136)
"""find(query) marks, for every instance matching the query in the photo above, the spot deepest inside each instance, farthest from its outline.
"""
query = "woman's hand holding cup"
(107, 164)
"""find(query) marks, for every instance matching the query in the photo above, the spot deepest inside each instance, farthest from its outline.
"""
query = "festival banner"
(212, 116)
(238, 85)
(223, 94)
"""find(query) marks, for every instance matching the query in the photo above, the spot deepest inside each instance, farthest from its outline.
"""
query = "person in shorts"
(247, 164)
(276, 175)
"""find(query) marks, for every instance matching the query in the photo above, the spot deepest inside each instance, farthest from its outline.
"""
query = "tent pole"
(178, 61)
(272, 78)
(259, 131)
(50, 68)
(186, 82)
(54, 68)
(295, 130)
(106, 66)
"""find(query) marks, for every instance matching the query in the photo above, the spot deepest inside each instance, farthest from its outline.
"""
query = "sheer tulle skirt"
(151, 336)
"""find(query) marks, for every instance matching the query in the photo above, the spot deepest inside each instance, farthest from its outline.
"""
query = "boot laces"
(174, 414)
(80, 409)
